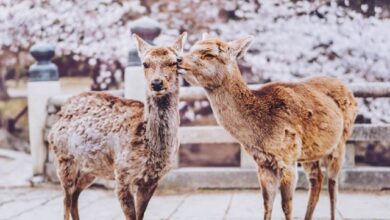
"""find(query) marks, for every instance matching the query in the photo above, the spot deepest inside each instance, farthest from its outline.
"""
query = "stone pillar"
(246, 161)
(148, 29)
(349, 155)
(43, 83)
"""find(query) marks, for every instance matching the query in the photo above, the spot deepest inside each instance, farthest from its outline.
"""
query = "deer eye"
(209, 56)
(145, 65)
(172, 64)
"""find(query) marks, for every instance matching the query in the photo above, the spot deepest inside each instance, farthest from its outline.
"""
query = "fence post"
(148, 29)
(349, 155)
(43, 82)
(246, 161)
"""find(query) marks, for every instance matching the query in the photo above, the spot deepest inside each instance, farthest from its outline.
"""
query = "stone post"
(148, 29)
(43, 83)
(246, 161)
(349, 155)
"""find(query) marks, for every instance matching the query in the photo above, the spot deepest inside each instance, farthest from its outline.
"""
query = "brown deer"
(279, 124)
(99, 135)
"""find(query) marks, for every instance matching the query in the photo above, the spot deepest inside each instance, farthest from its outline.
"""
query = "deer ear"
(240, 46)
(142, 46)
(180, 41)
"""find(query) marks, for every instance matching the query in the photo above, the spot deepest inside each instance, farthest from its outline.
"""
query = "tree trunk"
(371, 8)
(356, 5)
(10, 142)
(3, 89)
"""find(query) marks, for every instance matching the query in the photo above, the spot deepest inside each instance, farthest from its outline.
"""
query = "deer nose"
(157, 85)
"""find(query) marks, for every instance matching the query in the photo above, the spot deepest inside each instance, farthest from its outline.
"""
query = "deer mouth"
(160, 93)
(182, 70)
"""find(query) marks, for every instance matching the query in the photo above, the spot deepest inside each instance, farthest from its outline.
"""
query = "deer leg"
(67, 205)
(288, 180)
(314, 174)
(83, 181)
(67, 174)
(332, 188)
(125, 196)
(127, 201)
(333, 170)
(268, 179)
(143, 196)
(334, 163)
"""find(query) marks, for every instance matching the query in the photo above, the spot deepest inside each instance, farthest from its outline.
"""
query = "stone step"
(355, 178)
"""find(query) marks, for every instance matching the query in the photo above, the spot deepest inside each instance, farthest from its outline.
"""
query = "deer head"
(160, 65)
(211, 61)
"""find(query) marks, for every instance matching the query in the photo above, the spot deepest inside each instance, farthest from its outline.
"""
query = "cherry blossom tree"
(84, 32)
(293, 38)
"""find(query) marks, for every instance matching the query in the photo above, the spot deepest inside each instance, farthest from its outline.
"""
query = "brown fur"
(99, 135)
(279, 124)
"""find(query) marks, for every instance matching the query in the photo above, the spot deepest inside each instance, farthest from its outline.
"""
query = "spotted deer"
(100, 135)
(279, 124)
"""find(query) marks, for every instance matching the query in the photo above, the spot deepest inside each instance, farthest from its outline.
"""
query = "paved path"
(45, 202)
(19, 201)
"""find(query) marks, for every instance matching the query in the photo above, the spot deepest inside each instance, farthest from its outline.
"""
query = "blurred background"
(347, 39)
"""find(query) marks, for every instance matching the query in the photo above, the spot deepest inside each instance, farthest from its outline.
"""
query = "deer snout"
(157, 85)
(181, 71)
(181, 68)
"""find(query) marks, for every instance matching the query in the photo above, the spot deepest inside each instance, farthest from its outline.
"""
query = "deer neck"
(162, 122)
(233, 92)
(234, 103)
